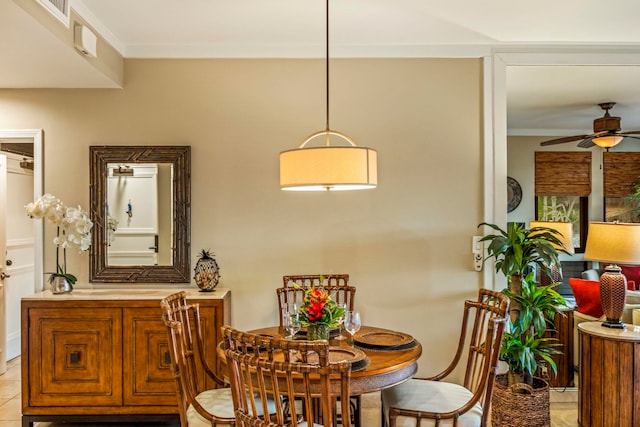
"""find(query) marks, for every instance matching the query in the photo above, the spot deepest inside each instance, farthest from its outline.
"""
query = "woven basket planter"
(520, 405)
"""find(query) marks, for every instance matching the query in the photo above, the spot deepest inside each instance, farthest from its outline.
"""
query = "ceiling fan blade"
(586, 143)
(631, 132)
(563, 140)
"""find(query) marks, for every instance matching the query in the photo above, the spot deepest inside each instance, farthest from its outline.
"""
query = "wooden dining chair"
(199, 403)
(292, 292)
(432, 402)
(263, 367)
(293, 288)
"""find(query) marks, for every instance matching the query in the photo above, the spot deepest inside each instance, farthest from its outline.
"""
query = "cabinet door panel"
(147, 369)
(148, 379)
(78, 356)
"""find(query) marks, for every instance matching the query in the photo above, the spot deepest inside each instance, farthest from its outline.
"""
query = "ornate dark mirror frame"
(180, 158)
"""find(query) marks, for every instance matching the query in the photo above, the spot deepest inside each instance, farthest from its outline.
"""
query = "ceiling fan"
(606, 132)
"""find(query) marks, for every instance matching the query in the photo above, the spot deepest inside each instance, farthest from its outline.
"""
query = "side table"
(609, 379)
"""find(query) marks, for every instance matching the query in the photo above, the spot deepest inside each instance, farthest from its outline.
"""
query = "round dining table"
(385, 366)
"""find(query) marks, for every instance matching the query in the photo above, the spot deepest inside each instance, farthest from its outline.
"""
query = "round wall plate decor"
(514, 194)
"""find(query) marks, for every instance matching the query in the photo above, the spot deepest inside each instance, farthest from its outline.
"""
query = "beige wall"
(406, 244)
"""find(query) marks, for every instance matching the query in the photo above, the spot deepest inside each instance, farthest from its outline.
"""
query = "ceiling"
(541, 100)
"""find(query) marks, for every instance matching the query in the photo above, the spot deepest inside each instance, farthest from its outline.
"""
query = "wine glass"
(352, 322)
(344, 308)
(291, 307)
(292, 323)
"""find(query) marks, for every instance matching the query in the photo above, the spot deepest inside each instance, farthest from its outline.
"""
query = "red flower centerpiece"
(319, 313)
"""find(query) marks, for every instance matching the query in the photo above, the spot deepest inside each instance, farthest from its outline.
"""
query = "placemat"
(338, 354)
(382, 339)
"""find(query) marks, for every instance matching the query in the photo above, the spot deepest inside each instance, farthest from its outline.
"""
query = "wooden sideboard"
(103, 355)
(609, 380)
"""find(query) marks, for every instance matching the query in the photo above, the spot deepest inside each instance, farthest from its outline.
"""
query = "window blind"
(563, 173)
(621, 172)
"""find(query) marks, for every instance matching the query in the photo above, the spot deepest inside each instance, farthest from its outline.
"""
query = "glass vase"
(317, 332)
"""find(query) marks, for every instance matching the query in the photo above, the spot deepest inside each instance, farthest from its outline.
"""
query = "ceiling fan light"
(608, 141)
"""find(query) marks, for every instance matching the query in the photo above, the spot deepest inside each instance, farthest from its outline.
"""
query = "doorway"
(21, 261)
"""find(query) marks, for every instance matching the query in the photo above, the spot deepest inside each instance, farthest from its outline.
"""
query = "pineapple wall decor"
(207, 272)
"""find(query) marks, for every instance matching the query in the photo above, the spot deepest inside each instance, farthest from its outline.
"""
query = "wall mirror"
(141, 209)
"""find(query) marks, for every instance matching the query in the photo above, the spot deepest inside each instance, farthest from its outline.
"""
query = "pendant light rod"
(327, 66)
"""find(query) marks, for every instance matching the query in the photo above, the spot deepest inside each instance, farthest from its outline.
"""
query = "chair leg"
(355, 410)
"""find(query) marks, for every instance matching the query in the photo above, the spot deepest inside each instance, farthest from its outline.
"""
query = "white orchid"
(77, 228)
(47, 206)
(74, 228)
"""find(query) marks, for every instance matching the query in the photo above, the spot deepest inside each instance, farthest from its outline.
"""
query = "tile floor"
(564, 411)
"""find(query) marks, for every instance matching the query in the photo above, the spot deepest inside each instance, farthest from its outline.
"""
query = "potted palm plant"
(517, 250)
(524, 347)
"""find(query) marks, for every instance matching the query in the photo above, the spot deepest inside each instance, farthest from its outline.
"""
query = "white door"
(20, 247)
(3, 274)
(20, 237)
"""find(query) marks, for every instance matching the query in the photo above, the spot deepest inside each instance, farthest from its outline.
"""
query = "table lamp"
(613, 243)
(565, 235)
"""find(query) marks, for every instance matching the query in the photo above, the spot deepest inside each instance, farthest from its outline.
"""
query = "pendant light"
(328, 167)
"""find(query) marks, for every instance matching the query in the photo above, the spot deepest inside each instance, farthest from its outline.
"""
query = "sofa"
(588, 307)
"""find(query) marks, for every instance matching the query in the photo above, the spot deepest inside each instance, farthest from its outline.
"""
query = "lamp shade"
(328, 168)
(565, 230)
(607, 141)
(615, 243)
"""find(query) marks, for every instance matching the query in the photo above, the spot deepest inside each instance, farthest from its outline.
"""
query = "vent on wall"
(58, 8)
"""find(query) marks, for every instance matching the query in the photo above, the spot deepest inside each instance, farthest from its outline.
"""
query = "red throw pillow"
(587, 293)
(631, 285)
(632, 273)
